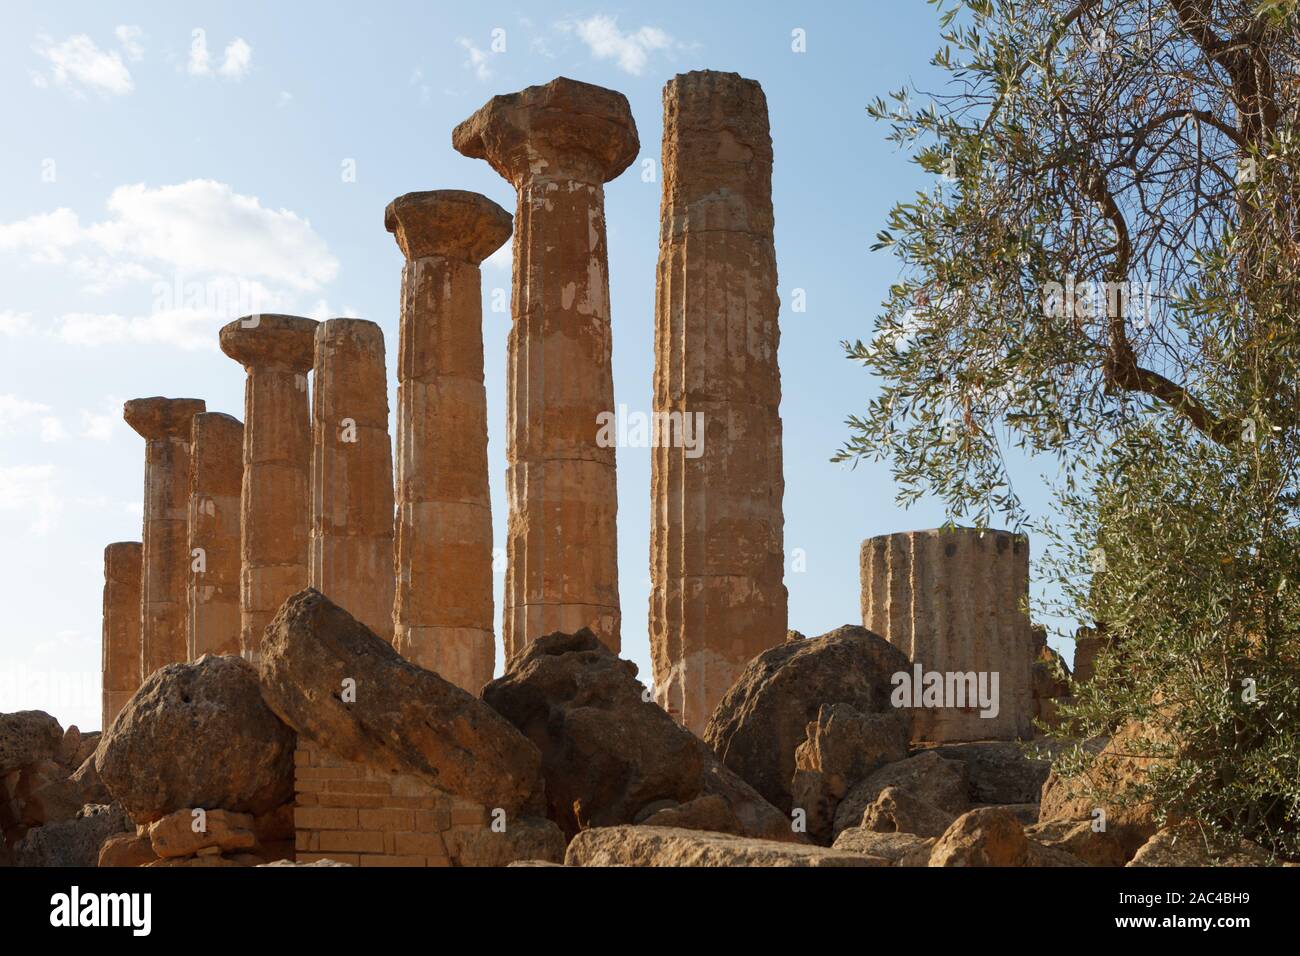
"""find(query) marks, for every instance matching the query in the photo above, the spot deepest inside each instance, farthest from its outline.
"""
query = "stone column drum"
(955, 601)
(558, 145)
(352, 474)
(718, 597)
(165, 425)
(120, 673)
(443, 612)
(216, 474)
(277, 352)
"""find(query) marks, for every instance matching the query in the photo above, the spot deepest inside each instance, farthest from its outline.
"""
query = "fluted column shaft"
(121, 638)
(216, 475)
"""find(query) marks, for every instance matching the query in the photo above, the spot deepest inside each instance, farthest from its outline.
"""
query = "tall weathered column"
(165, 425)
(443, 613)
(277, 353)
(956, 602)
(120, 671)
(216, 474)
(558, 145)
(352, 473)
(718, 597)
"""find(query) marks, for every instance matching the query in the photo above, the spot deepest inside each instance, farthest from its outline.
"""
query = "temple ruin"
(299, 542)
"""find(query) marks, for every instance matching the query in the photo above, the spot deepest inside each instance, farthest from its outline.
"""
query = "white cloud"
(476, 59)
(26, 496)
(79, 64)
(202, 227)
(235, 63)
(238, 58)
(15, 324)
(52, 430)
(102, 426)
(16, 412)
(631, 50)
(129, 39)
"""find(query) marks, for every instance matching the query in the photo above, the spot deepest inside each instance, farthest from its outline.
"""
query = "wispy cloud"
(235, 63)
(476, 59)
(78, 64)
(630, 50)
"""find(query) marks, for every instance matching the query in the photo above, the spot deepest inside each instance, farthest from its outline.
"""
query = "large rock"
(184, 834)
(992, 836)
(1187, 846)
(763, 718)
(936, 780)
(126, 849)
(608, 751)
(889, 846)
(1002, 771)
(896, 810)
(665, 846)
(43, 793)
(841, 748)
(1079, 839)
(403, 719)
(88, 783)
(73, 842)
(197, 735)
(27, 737)
(1110, 786)
(527, 838)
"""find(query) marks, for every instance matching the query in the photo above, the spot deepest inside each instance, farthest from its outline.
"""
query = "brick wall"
(356, 814)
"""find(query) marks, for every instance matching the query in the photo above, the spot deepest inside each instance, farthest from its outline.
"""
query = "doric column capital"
(447, 222)
(162, 417)
(267, 339)
(564, 129)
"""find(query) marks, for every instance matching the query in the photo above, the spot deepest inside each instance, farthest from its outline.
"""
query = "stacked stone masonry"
(121, 638)
(352, 813)
(166, 426)
(277, 352)
(216, 474)
(955, 601)
(352, 473)
(443, 616)
(558, 145)
(718, 597)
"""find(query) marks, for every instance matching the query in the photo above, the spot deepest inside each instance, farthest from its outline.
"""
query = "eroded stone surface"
(666, 846)
(197, 735)
(443, 616)
(558, 144)
(120, 650)
(277, 352)
(955, 601)
(352, 474)
(717, 526)
(396, 716)
(760, 722)
(216, 478)
(165, 425)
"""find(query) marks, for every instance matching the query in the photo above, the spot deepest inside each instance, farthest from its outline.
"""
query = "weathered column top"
(129, 551)
(162, 417)
(447, 222)
(214, 436)
(266, 339)
(565, 128)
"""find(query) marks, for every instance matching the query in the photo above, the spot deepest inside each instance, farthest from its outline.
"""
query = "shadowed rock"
(197, 735)
(396, 716)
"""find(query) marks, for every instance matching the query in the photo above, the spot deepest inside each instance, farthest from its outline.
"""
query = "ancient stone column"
(558, 145)
(352, 473)
(443, 612)
(216, 474)
(956, 603)
(277, 353)
(165, 425)
(718, 597)
(121, 649)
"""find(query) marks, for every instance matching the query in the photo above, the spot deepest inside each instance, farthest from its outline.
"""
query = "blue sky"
(158, 179)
